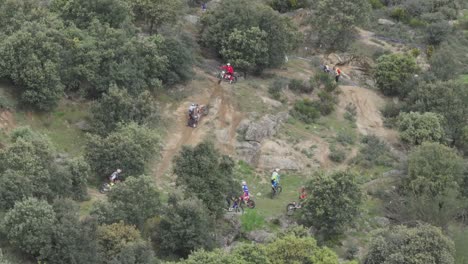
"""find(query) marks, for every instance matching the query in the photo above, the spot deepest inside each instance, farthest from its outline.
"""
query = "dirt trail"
(367, 37)
(368, 118)
(7, 120)
(222, 121)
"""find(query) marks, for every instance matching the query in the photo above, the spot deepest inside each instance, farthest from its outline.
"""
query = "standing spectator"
(337, 73)
(203, 7)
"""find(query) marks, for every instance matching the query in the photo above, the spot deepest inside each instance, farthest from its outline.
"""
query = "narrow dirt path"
(368, 118)
(221, 122)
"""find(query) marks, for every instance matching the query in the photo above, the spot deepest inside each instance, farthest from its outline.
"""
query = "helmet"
(193, 104)
(228, 64)
(244, 183)
(277, 169)
(119, 170)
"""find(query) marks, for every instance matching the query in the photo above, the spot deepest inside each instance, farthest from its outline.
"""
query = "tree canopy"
(133, 201)
(335, 204)
(393, 72)
(400, 244)
(415, 128)
(129, 148)
(334, 21)
(205, 174)
(277, 32)
(433, 169)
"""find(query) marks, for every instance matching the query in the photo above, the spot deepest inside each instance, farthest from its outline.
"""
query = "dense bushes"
(117, 107)
(300, 86)
(416, 128)
(283, 6)
(87, 47)
(205, 174)
(419, 244)
(448, 99)
(306, 111)
(340, 17)
(393, 72)
(129, 148)
(29, 168)
(374, 152)
(277, 32)
(336, 202)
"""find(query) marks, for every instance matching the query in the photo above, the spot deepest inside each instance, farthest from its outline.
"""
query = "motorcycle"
(107, 186)
(291, 207)
(195, 116)
(222, 76)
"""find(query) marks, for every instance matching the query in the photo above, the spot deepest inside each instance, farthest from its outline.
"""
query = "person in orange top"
(337, 73)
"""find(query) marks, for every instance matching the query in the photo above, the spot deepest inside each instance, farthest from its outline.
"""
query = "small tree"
(73, 241)
(133, 201)
(246, 50)
(29, 226)
(292, 249)
(157, 12)
(205, 174)
(393, 71)
(180, 59)
(416, 128)
(336, 19)
(185, 227)
(449, 99)
(128, 148)
(118, 107)
(421, 244)
(433, 169)
(117, 239)
(306, 111)
(31, 59)
(82, 12)
(336, 202)
(278, 32)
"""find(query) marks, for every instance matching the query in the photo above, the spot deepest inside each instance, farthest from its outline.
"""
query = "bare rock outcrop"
(254, 133)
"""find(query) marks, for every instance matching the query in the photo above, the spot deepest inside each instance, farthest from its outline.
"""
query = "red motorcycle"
(222, 76)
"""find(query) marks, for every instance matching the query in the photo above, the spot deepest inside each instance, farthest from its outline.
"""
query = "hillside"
(89, 89)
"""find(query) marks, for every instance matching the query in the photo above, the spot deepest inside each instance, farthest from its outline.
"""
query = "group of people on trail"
(275, 179)
(336, 71)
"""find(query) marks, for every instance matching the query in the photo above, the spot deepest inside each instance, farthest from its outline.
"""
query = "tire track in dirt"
(222, 120)
(368, 117)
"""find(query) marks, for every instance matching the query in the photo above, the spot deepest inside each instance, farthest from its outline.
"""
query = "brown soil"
(366, 37)
(222, 121)
(7, 120)
(368, 118)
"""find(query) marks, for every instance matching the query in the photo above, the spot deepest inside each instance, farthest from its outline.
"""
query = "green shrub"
(306, 111)
(437, 32)
(284, 6)
(300, 86)
(391, 110)
(415, 52)
(393, 73)
(251, 220)
(374, 152)
(399, 14)
(416, 22)
(345, 137)
(351, 112)
(337, 154)
(326, 104)
(277, 87)
(415, 128)
(324, 81)
(376, 4)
